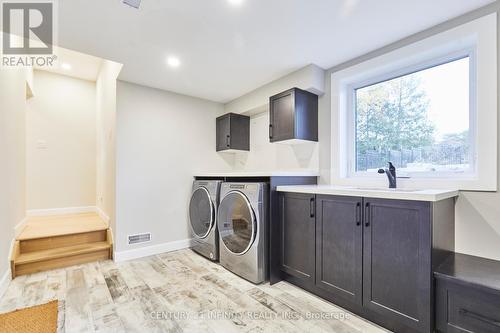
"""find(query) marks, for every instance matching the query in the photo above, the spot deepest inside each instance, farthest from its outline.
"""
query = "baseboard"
(152, 250)
(61, 211)
(4, 282)
(103, 215)
(19, 227)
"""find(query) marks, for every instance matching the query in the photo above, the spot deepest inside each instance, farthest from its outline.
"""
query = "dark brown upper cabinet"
(233, 132)
(293, 115)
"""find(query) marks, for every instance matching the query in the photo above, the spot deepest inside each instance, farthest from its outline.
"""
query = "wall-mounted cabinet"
(293, 117)
(233, 133)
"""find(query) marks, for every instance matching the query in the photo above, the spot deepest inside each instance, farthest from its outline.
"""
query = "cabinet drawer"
(463, 308)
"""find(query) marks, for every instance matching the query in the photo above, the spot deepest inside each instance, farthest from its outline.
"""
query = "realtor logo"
(28, 33)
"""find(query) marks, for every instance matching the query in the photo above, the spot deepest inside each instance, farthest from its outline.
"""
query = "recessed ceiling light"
(235, 2)
(173, 61)
(66, 66)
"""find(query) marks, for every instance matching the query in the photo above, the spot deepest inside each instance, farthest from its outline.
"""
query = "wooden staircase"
(51, 242)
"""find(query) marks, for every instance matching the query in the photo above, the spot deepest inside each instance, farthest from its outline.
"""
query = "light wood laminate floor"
(175, 292)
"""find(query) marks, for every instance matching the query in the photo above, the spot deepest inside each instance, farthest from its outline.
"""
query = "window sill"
(456, 183)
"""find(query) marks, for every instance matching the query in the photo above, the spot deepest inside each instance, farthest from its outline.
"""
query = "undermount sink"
(386, 189)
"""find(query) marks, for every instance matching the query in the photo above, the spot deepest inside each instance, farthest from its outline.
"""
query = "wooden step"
(47, 243)
(61, 225)
(51, 242)
(32, 262)
(28, 258)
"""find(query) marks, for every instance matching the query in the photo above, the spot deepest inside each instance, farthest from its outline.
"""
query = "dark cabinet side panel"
(306, 115)
(240, 132)
(297, 235)
(397, 261)
(339, 246)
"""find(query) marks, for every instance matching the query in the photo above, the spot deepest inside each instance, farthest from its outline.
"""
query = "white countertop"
(298, 173)
(385, 193)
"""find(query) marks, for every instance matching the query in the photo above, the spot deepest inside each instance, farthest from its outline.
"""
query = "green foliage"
(392, 115)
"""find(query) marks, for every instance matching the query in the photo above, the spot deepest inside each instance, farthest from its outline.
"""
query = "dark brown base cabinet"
(468, 295)
(374, 257)
(297, 236)
(339, 247)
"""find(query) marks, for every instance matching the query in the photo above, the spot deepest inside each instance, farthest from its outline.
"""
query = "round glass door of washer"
(201, 212)
(236, 222)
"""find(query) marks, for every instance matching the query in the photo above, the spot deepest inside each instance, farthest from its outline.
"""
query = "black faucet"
(391, 174)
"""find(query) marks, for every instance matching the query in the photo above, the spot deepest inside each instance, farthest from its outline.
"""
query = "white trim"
(482, 33)
(103, 215)
(152, 250)
(4, 282)
(61, 211)
(19, 227)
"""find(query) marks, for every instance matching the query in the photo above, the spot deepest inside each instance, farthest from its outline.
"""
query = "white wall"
(163, 140)
(61, 143)
(12, 161)
(310, 78)
(106, 139)
(477, 213)
(267, 156)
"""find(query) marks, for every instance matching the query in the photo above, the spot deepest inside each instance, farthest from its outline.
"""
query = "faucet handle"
(381, 171)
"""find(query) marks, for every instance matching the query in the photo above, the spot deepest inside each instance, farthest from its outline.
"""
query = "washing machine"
(242, 222)
(202, 217)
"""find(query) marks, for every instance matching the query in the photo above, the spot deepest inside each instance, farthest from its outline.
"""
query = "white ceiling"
(81, 66)
(228, 50)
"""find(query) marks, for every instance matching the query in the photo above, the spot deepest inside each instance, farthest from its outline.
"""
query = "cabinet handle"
(358, 213)
(228, 140)
(367, 214)
(312, 209)
(270, 131)
(479, 317)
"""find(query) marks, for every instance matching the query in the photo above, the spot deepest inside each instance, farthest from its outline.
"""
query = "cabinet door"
(397, 261)
(297, 235)
(282, 118)
(223, 129)
(339, 246)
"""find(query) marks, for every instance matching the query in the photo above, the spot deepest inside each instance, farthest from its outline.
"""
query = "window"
(430, 107)
(420, 121)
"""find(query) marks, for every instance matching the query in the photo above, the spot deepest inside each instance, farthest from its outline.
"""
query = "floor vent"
(140, 238)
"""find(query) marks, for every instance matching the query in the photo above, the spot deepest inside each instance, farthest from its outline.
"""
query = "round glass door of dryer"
(236, 222)
(201, 212)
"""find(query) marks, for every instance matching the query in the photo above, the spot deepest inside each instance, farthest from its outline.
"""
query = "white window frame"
(442, 60)
(477, 40)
